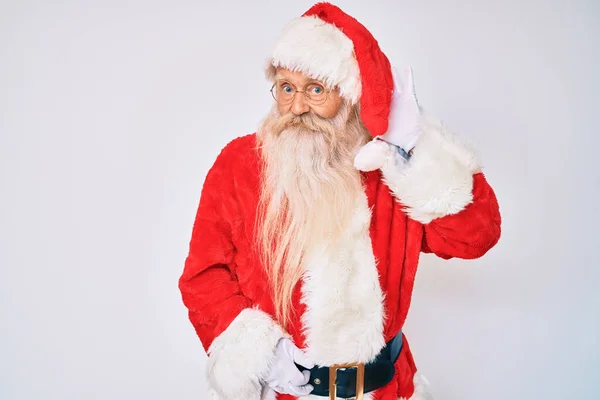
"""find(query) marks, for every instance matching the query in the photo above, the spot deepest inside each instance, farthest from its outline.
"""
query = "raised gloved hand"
(284, 376)
(405, 114)
(403, 126)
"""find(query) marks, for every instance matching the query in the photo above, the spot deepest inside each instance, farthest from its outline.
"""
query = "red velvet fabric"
(222, 274)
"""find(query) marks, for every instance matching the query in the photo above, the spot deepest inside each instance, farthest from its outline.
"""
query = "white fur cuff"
(240, 356)
(438, 180)
(421, 388)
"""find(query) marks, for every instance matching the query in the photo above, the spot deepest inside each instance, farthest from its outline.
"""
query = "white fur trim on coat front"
(320, 50)
(438, 179)
(344, 316)
(240, 356)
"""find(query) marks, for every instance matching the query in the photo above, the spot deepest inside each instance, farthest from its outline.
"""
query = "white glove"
(405, 114)
(284, 377)
(403, 127)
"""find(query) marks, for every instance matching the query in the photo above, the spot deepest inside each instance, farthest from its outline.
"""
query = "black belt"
(347, 378)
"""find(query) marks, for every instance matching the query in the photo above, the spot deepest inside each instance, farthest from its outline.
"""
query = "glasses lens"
(284, 93)
(316, 93)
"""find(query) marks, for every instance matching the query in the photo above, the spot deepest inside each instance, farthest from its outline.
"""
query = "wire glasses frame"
(311, 98)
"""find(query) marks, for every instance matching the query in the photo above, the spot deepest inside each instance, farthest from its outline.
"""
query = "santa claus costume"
(353, 297)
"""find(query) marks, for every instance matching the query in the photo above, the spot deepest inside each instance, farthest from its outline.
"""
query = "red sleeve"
(471, 232)
(208, 284)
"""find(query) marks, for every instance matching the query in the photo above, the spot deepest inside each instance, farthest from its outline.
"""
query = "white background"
(111, 112)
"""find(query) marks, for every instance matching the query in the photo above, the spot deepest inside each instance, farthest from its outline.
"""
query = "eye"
(286, 88)
(315, 90)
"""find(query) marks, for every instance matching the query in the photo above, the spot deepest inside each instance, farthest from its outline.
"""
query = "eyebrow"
(280, 77)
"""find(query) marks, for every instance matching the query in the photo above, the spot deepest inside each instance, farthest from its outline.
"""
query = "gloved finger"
(301, 358)
(300, 390)
(409, 86)
(306, 374)
(398, 84)
(298, 378)
(409, 82)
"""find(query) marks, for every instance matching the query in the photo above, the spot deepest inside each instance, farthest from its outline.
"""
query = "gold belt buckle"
(360, 380)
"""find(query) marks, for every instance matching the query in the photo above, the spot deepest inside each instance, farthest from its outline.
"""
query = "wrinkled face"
(299, 94)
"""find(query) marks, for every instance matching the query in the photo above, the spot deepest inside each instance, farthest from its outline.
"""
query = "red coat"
(454, 214)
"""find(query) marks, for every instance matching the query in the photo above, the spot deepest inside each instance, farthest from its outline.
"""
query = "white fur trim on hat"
(320, 50)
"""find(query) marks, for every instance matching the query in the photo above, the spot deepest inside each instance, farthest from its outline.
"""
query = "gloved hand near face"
(403, 127)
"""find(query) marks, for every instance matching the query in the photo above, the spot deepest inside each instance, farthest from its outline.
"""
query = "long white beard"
(309, 193)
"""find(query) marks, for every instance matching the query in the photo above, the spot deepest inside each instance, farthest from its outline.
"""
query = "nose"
(299, 104)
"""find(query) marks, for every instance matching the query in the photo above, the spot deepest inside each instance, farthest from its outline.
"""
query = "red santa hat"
(327, 44)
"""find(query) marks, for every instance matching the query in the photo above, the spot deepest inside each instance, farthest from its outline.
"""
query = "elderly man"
(308, 233)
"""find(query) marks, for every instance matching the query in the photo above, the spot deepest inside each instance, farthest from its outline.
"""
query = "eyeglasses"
(315, 93)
